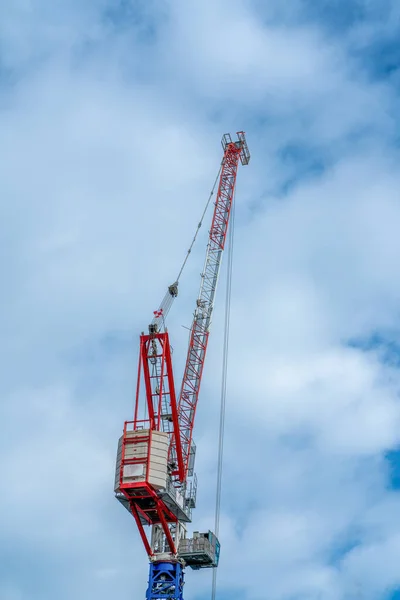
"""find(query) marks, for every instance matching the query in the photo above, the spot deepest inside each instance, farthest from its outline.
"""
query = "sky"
(111, 115)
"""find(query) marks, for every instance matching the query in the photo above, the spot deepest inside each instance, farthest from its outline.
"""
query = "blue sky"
(111, 115)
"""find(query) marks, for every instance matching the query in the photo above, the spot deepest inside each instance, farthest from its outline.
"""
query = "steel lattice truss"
(205, 302)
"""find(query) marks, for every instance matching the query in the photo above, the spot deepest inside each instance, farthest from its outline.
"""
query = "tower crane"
(154, 477)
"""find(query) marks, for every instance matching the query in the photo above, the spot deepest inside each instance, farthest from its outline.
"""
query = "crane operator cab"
(200, 551)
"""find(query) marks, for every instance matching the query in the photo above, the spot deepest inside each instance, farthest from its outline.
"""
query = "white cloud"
(104, 169)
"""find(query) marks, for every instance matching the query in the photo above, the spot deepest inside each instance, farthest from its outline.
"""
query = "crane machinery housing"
(154, 478)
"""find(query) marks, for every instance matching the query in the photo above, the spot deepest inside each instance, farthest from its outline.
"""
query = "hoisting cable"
(223, 387)
(200, 223)
(172, 292)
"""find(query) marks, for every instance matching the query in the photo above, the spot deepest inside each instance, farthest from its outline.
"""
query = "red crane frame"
(162, 412)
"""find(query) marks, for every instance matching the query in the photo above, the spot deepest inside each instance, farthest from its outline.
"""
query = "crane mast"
(155, 478)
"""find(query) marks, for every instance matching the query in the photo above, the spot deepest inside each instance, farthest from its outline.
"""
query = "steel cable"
(160, 315)
(200, 223)
(223, 388)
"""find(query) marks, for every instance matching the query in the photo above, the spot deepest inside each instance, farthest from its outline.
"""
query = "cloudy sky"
(111, 114)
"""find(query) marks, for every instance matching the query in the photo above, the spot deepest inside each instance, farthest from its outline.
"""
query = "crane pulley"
(155, 478)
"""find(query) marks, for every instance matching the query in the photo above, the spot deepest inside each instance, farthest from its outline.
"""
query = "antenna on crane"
(155, 478)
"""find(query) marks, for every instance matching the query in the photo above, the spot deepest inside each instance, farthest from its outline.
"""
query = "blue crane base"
(165, 581)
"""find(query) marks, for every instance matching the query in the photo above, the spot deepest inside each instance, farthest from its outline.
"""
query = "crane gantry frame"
(155, 478)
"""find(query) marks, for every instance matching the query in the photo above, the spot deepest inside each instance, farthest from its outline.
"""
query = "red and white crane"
(155, 477)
